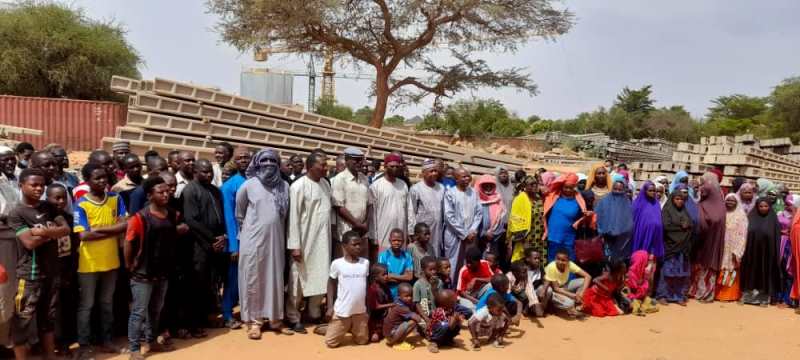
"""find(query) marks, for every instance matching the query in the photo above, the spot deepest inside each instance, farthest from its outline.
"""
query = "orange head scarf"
(569, 179)
(593, 174)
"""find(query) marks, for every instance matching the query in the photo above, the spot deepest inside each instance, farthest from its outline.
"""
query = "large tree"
(392, 35)
(52, 50)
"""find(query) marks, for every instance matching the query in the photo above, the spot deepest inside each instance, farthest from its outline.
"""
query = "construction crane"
(328, 75)
(328, 86)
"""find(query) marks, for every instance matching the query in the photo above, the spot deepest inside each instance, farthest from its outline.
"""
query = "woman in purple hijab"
(648, 233)
(711, 240)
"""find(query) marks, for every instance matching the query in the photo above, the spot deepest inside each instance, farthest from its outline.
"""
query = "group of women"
(738, 243)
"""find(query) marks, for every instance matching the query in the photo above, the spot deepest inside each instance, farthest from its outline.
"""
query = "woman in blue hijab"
(615, 222)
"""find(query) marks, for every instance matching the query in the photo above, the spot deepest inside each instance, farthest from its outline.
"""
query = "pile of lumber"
(741, 156)
(165, 115)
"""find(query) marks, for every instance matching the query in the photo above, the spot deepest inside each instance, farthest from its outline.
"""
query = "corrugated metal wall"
(76, 124)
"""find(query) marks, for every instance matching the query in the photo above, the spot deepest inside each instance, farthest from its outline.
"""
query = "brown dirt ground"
(699, 331)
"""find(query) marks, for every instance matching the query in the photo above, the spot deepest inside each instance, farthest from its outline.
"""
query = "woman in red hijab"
(564, 211)
(795, 269)
(493, 223)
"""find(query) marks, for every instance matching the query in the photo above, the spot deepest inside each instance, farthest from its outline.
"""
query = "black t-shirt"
(43, 261)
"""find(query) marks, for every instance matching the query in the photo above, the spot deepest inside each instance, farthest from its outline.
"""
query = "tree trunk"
(381, 98)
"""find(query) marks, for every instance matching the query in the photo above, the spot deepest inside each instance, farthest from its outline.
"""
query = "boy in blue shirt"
(500, 286)
(398, 261)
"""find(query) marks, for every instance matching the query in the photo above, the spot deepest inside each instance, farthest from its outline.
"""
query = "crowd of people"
(163, 248)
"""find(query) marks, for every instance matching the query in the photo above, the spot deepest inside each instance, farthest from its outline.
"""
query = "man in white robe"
(462, 218)
(309, 241)
(425, 206)
(388, 197)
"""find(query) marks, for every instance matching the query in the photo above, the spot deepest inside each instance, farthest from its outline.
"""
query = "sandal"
(476, 345)
(403, 346)
(183, 334)
(433, 347)
(254, 332)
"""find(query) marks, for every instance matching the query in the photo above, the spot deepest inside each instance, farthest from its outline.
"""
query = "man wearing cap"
(388, 196)
(425, 205)
(120, 150)
(350, 198)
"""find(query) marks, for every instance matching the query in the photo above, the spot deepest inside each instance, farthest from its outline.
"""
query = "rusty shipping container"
(77, 124)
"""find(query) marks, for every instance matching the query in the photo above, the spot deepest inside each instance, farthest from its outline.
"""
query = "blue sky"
(690, 51)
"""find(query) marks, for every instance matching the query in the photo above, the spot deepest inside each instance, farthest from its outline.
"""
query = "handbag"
(589, 250)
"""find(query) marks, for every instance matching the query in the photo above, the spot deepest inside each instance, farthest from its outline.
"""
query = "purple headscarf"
(648, 233)
(746, 207)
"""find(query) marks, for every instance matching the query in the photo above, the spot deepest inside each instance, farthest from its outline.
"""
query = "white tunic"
(425, 206)
(309, 231)
(352, 193)
(389, 210)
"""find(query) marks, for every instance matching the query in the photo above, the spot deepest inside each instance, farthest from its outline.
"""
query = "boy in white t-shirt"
(347, 291)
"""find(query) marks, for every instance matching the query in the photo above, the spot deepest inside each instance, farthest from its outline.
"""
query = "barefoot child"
(401, 320)
(472, 277)
(38, 225)
(599, 299)
(423, 290)
(640, 276)
(420, 248)
(397, 261)
(378, 300)
(489, 321)
(521, 288)
(500, 285)
(566, 294)
(445, 321)
(533, 259)
(347, 290)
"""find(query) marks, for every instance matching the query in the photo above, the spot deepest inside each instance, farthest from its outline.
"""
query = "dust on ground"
(699, 331)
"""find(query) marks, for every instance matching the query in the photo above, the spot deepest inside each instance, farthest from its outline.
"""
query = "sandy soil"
(699, 331)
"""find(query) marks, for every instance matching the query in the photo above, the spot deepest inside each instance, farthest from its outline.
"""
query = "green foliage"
(395, 120)
(363, 115)
(674, 124)
(52, 50)
(785, 110)
(737, 106)
(636, 101)
(477, 117)
(329, 107)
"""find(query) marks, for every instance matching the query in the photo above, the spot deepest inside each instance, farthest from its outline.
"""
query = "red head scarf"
(569, 179)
